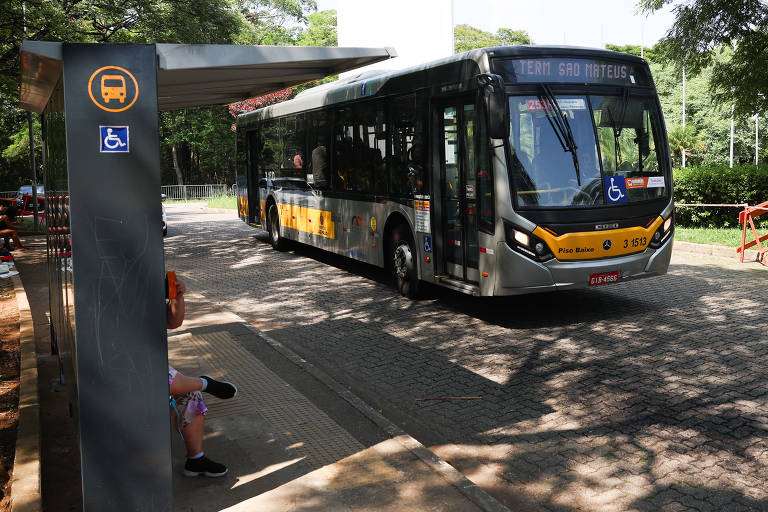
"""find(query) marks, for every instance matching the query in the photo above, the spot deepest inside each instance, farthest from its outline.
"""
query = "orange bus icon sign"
(113, 88)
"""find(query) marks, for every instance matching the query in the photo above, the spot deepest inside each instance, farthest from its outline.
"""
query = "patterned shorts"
(190, 405)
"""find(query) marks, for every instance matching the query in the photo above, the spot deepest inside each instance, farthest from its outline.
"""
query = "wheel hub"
(403, 261)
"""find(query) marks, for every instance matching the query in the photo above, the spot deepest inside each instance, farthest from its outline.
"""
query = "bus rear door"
(458, 130)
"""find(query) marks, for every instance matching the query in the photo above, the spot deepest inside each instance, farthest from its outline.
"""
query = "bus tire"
(273, 227)
(403, 258)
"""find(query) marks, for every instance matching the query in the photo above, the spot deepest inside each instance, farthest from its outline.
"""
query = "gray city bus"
(499, 171)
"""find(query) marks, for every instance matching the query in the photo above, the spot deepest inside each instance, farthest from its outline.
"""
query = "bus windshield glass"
(584, 151)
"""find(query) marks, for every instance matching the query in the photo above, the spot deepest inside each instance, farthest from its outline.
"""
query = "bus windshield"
(584, 150)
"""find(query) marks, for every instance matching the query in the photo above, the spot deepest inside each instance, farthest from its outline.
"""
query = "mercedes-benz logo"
(607, 245)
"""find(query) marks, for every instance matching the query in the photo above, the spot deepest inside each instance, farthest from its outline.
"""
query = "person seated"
(190, 410)
(7, 232)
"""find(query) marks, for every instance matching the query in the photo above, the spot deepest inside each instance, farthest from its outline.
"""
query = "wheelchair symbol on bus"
(114, 139)
(616, 189)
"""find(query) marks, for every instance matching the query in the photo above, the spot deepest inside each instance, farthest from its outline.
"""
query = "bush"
(718, 184)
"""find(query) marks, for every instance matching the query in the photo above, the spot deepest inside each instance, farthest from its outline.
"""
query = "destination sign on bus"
(553, 70)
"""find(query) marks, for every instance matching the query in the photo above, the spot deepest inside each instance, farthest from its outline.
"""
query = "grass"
(226, 202)
(730, 237)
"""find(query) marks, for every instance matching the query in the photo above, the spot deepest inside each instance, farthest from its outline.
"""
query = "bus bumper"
(518, 274)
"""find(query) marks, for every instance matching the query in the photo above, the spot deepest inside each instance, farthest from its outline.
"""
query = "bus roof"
(369, 83)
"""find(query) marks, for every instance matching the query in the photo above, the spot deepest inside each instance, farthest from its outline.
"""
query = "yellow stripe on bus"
(599, 244)
(242, 206)
(309, 220)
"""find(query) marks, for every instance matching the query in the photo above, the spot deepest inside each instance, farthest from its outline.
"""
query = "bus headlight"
(526, 243)
(522, 238)
(662, 234)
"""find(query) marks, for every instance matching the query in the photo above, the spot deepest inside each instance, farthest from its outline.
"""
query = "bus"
(499, 171)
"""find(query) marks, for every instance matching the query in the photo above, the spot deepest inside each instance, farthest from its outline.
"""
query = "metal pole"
(33, 166)
(733, 106)
(684, 116)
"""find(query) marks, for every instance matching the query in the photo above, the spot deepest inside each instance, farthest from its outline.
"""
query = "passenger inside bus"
(319, 165)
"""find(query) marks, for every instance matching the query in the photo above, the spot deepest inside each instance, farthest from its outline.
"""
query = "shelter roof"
(193, 75)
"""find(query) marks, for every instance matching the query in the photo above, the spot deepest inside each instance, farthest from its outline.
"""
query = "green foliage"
(709, 116)
(321, 30)
(467, 37)
(202, 138)
(684, 138)
(649, 54)
(272, 22)
(718, 184)
(702, 28)
(205, 145)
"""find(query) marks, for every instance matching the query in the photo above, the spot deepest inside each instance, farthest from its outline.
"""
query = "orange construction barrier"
(748, 215)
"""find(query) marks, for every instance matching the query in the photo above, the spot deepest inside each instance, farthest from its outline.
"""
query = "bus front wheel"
(404, 262)
(273, 226)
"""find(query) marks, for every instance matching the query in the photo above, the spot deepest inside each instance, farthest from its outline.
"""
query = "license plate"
(604, 278)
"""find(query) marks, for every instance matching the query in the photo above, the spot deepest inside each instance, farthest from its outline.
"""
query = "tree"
(321, 31)
(649, 54)
(114, 21)
(683, 138)
(703, 28)
(273, 22)
(467, 37)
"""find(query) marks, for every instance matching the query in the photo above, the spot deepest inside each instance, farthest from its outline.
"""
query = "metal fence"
(8, 193)
(192, 192)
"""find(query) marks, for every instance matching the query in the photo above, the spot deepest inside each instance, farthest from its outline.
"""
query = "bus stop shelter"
(101, 151)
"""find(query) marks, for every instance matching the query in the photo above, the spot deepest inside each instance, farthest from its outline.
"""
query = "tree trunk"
(176, 167)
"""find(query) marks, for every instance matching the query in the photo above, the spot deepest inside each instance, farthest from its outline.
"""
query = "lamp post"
(733, 106)
(684, 116)
(757, 117)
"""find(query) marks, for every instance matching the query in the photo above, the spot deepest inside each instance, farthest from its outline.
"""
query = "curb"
(464, 485)
(721, 251)
(26, 494)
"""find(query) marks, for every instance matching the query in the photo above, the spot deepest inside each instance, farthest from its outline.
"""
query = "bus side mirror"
(495, 104)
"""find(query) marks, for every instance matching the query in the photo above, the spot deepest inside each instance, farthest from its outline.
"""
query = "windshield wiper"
(617, 128)
(561, 127)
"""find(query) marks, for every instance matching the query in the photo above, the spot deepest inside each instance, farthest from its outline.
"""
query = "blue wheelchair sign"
(114, 139)
(427, 243)
(615, 189)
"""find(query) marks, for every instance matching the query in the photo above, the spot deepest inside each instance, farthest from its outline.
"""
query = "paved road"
(651, 395)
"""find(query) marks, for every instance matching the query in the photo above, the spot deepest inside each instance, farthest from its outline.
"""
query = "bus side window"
(318, 147)
(406, 161)
(269, 154)
(359, 150)
(342, 149)
(293, 145)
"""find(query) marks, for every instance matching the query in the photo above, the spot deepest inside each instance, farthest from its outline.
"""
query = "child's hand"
(180, 288)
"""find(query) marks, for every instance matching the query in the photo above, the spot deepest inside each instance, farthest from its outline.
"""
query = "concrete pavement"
(291, 442)
(293, 438)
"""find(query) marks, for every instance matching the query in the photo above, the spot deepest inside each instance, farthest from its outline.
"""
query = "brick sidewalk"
(285, 453)
(649, 395)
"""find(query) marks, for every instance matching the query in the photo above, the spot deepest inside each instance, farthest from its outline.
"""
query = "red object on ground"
(26, 206)
(748, 215)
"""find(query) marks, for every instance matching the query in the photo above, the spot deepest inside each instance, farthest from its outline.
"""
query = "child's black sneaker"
(204, 466)
(219, 389)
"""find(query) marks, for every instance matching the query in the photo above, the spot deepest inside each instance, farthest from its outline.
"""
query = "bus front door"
(458, 132)
(254, 204)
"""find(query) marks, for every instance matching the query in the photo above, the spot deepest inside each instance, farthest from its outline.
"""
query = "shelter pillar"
(113, 161)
